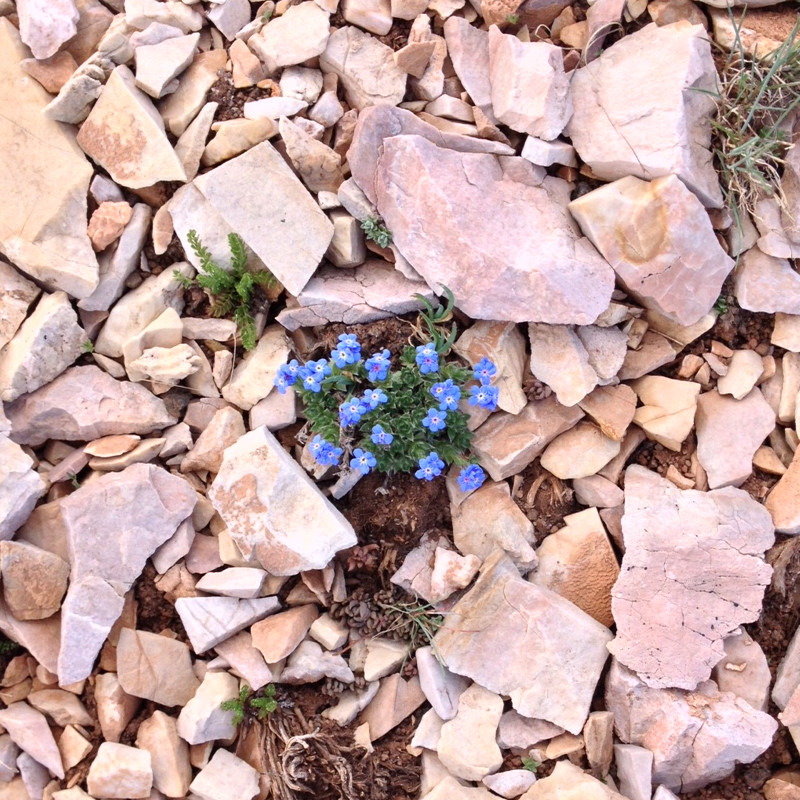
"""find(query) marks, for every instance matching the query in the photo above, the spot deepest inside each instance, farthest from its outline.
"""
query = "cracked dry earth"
(613, 614)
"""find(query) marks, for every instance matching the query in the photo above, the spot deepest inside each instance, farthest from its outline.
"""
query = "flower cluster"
(384, 418)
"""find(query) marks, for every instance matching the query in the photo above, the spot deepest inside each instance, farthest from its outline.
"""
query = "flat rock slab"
(693, 571)
(558, 652)
(660, 243)
(43, 231)
(507, 248)
(639, 109)
(273, 510)
(20, 487)
(77, 405)
(696, 737)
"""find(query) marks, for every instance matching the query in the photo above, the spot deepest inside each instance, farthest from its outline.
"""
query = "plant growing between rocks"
(231, 290)
(375, 230)
(251, 705)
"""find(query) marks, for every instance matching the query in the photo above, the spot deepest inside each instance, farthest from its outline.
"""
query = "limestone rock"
(530, 90)
(318, 165)
(225, 428)
(309, 663)
(501, 201)
(29, 730)
(696, 737)
(673, 263)
(107, 223)
(125, 135)
(273, 510)
(20, 487)
(16, 294)
(202, 719)
(169, 754)
(277, 636)
(569, 782)
(365, 68)
(674, 605)
(395, 700)
(34, 580)
(579, 452)
(451, 572)
(553, 679)
(374, 16)
(507, 443)
(578, 563)
(744, 370)
(297, 35)
(72, 408)
(744, 670)
(783, 502)
(225, 776)
(155, 668)
(729, 432)
(141, 13)
(626, 131)
(765, 283)
(120, 771)
(115, 709)
(369, 292)
(43, 232)
(467, 744)
(668, 409)
(468, 48)
(44, 27)
(45, 345)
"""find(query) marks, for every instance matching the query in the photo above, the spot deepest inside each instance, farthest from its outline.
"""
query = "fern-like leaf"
(238, 253)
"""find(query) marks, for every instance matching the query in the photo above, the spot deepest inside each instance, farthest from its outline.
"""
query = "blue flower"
(348, 341)
(320, 368)
(471, 477)
(447, 394)
(429, 467)
(380, 436)
(286, 376)
(309, 378)
(374, 397)
(324, 452)
(362, 460)
(484, 370)
(427, 358)
(434, 421)
(351, 411)
(378, 366)
(484, 396)
(342, 357)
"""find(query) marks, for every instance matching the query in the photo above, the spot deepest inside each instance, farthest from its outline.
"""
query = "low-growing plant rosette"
(364, 413)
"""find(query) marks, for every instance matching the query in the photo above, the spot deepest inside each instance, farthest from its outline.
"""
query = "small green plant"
(376, 231)
(87, 346)
(531, 764)
(231, 290)
(251, 704)
(721, 306)
(417, 623)
(397, 420)
(434, 317)
(512, 19)
(74, 480)
(7, 647)
(757, 97)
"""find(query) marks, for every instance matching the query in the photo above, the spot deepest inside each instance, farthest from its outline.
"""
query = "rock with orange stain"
(107, 223)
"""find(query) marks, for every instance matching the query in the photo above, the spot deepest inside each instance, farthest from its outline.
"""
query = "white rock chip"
(16, 295)
(29, 730)
(693, 571)
(158, 64)
(202, 719)
(45, 26)
(663, 131)
(579, 452)
(568, 782)
(294, 37)
(668, 409)
(20, 487)
(553, 679)
(169, 754)
(273, 510)
(765, 283)
(43, 231)
(120, 771)
(226, 777)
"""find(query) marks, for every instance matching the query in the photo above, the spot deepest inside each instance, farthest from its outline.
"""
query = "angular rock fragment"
(318, 165)
(696, 737)
(468, 48)
(297, 35)
(202, 719)
(45, 27)
(125, 135)
(273, 510)
(658, 124)
(20, 486)
(16, 295)
(693, 571)
(765, 283)
(744, 670)
(668, 409)
(579, 452)
(783, 502)
(74, 406)
(43, 232)
(120, 771)
(557, 276)
(169, 754)
(158, 64)
(559, 651)
(34, 580)
(29, 730)
(660, 243)
(225, 776)
(569, 782)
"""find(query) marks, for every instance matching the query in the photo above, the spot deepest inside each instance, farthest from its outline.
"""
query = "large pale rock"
(316, 163)
(169, 754)
(744, 670)
(34, 580)
(783, 502)
(277, 636)
(579, 452)
(660, 243)
(696, 737)
(570, 782)
(43, 231)
(297, 35)
(668, 409)
(394, 701)
(558, 653)
(29, 730)
(225, 777)
(310, 663)
(20, 487)
(115, 708)
(656, 124)
(365, 68)
(693, 571)
(225, 428)
(530, 90)
(74, 406)
(467, 745)
(729, 432)
(155, 668)
(45, 345)
(125, 135)
(765, 283)
(273, 510)
(39, 637)
(292, 249)
(16, 295)
(202, 719)
(578, 563)
(558, 279)
(367, 293)
(468, 48)
(507, 443)
(158, 64)
(120, 771)
(45, 25)
(107, 554)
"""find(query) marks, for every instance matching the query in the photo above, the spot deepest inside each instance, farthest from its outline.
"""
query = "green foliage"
(415, 622)
(376, 231)
(73, 479)
(87, 346)
(529, 763)
(432, 318)
(251, 704)
(756, 100)
(721, 306)
(231, 290)
(512, 19)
